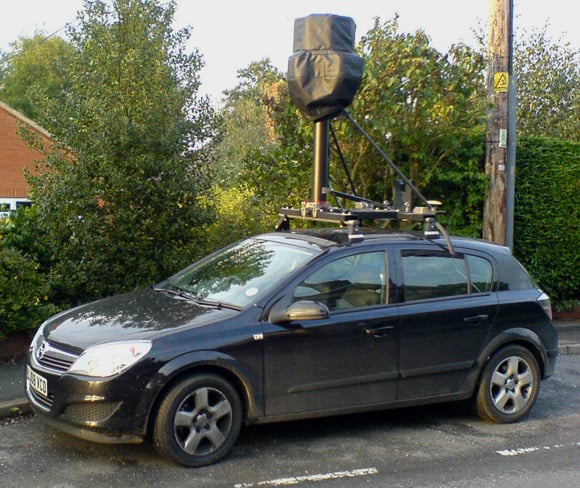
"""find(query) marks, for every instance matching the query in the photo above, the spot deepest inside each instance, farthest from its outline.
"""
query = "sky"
(232, 34)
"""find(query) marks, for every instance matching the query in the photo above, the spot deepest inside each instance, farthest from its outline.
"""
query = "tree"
(245, 121)
(119, 198)
(34, 64)
(280, 172)
(548, 77)
(261, 155)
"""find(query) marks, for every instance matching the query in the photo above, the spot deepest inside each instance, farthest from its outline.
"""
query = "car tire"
(198, 421)
(509, 385)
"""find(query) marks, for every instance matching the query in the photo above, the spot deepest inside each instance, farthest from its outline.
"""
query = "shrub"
(23, 293)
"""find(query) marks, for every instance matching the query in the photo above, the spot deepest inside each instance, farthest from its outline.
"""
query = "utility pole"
(499, 159)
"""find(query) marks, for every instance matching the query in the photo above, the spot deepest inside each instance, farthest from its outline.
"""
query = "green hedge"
(547, 216)
(23, 293)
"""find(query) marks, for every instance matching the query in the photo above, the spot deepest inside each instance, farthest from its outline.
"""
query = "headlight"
(109, 359)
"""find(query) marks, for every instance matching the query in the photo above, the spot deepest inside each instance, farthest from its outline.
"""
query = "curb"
(565, 349)
(12, 408)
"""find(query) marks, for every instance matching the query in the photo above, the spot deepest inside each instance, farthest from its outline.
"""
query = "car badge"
(41, 351)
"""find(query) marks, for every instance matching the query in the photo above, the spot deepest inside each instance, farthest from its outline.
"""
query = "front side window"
(350, 282)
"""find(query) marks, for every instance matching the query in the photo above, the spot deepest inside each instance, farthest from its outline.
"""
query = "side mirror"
(298, 311)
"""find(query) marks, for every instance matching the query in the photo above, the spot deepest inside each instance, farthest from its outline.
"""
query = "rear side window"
(429, 275)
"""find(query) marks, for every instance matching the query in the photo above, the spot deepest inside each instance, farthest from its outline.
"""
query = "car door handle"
(379, 331)
(476, 319)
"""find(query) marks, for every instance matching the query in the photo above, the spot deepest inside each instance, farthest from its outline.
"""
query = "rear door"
(446, 311)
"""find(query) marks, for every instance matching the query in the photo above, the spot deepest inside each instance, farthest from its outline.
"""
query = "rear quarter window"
(513, 276)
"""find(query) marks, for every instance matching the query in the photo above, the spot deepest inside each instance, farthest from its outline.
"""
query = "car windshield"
(239, 275)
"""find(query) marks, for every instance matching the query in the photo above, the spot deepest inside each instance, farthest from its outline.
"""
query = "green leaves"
(422, 107)
(547, 217)
(24, 293)
(36, 66)
(120, 204)
(548, 77)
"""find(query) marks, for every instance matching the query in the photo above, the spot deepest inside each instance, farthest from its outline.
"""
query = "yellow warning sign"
(501, 82)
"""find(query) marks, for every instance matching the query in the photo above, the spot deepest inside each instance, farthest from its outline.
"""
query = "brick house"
(16, 157)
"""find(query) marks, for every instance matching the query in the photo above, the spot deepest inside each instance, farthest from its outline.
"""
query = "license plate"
(37, 383)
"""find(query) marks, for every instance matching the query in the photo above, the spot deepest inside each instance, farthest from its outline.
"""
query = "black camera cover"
(324, 73)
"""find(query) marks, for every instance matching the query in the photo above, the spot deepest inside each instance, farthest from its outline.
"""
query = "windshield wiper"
(179, 292)
(216, 304)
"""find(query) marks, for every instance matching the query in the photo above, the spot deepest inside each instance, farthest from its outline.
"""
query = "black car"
(291, 325)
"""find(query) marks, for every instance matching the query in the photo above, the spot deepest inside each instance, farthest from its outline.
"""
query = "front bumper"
(88, 433)
(104, 410)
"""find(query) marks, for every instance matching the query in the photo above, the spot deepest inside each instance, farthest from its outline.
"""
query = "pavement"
(13, 400)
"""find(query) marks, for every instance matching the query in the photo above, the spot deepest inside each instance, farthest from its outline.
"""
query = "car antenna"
(324, 75)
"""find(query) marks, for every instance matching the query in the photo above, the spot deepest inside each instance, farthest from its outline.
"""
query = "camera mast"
(324, 75)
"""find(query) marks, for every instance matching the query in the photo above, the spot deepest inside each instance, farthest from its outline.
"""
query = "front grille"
(56, 363)
(91, 411)
(53, 358)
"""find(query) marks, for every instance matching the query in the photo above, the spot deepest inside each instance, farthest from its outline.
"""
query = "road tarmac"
(436, 446)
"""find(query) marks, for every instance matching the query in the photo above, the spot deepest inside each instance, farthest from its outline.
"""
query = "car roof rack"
(325, 44)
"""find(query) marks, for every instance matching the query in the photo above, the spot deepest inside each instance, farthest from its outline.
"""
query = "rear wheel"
(509, 385)
(198, 421)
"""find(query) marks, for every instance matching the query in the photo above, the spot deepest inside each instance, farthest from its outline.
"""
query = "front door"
(348, 360)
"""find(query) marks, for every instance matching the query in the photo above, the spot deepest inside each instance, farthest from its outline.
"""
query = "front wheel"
(509, 385)
(198, 421)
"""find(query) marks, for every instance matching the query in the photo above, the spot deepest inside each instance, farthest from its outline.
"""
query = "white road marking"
(528, 450)
(296, 480)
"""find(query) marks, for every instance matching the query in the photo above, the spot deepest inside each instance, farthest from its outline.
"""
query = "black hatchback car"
(291, 325)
